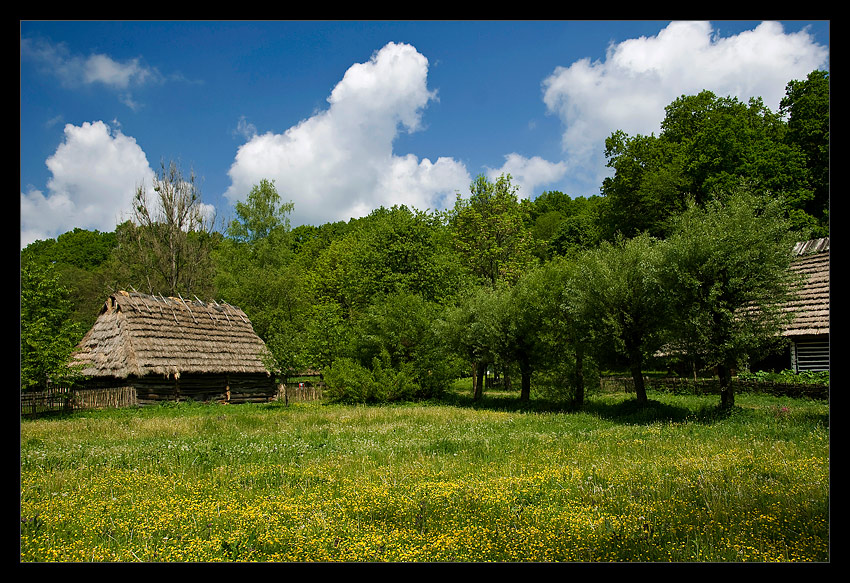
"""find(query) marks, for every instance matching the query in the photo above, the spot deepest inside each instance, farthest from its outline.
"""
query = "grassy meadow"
(449, 481)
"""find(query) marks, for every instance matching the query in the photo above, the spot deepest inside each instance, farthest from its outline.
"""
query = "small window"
(811, 355)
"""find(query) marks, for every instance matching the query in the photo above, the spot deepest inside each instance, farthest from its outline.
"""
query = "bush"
(788, 376)
(396, 385)
(347, 381)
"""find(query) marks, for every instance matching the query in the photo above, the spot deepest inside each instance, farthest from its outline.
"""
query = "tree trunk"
(525, 372)
(578, 399)
(482, 378)
(637, 376)
(727, 393)
(477, 381)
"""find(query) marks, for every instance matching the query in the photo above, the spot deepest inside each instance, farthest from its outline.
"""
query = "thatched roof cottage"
(154, 348)
(809, 330)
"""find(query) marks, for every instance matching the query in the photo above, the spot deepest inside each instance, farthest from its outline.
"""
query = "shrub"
(347, 381)
(396, 384)
(788, 376)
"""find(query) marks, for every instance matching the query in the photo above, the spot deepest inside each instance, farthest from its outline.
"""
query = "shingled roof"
(811, 307)
(138, 334)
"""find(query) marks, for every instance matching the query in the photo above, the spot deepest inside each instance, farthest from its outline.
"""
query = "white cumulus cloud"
(95, 172)
(639, 77)
(340, 163)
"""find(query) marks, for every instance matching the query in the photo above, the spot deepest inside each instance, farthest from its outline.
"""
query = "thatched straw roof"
(138, 334)
(811, 307)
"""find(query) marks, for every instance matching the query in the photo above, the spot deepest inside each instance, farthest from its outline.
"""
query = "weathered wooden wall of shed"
(243, 388)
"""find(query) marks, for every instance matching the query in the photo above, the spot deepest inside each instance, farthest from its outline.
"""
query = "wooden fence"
(64, 400)
(52, 400)
(104, 398)
(299, 392)
(712, 386)
(61, 399)
(56, 399)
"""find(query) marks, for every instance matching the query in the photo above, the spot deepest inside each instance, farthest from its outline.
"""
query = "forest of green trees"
(694, 225)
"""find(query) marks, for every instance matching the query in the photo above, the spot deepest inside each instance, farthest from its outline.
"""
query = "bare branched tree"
(173, 233)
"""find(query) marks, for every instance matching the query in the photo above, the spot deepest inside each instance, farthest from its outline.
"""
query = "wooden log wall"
(255, 388)
(237, 388)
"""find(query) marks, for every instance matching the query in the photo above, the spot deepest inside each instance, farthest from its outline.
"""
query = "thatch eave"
(138, 335)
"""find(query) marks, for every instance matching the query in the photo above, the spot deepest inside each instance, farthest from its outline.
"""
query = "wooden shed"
(145, 349)
(809, 331)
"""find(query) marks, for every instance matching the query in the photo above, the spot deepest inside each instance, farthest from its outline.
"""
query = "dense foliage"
(708, 144)
(47, 330)
(722, 260)
(397, 304)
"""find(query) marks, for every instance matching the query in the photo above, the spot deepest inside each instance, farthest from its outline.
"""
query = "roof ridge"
(812, 246)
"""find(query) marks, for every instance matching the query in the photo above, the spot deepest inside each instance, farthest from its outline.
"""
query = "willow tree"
(727, 276)
(568, 325)
(465, 330)
(619, 287)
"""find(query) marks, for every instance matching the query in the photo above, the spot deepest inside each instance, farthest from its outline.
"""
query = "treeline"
(685, 252)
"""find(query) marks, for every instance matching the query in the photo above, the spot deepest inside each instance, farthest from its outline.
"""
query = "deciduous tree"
(465, 329)
(708, 144)
(172, 234)
(619, 284)
(567, 330)
(489, 231)
(257, 270)
(806, 105)
(727, 275)
(48, 335)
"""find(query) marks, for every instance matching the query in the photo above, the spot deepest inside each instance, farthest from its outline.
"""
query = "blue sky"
(349, 116)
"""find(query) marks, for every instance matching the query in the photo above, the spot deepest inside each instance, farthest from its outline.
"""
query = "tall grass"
(675, 481)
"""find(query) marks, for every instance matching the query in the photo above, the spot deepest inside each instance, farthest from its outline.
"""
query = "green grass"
(452, 481)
